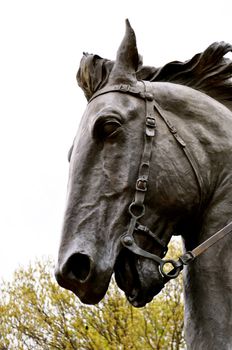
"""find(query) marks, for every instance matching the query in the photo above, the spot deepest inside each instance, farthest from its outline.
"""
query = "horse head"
(104, 165)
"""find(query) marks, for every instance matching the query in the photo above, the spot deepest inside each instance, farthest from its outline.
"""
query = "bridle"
(137, 208)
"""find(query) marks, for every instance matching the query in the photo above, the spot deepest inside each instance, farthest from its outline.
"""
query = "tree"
(35, 313)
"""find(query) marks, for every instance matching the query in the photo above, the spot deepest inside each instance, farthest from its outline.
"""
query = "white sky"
(41, 44)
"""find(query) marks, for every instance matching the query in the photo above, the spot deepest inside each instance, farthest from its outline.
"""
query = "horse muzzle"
(88, 280)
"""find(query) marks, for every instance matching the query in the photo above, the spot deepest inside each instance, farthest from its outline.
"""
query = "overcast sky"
(41, 45)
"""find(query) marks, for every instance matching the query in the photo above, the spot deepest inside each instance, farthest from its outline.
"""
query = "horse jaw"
(138, 277)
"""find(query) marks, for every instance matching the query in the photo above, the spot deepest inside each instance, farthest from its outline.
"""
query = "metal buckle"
(124, 87)
(187, 258)
(141, 184)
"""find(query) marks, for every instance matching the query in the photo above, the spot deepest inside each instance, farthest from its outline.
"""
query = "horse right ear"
(127, 60)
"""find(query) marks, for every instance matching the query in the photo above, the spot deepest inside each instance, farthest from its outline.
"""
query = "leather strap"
(124, 88)
(144, 168)
(188, 154)
(201, 248)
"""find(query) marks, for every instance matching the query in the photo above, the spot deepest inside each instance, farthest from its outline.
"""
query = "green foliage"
(35, 313)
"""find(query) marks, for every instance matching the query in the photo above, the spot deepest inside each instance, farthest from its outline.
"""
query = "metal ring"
(174, 272)
(139, 207)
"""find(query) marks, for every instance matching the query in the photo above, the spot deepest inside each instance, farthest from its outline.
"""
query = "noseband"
(137, 207)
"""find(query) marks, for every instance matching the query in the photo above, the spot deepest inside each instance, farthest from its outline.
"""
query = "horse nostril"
(80, 266)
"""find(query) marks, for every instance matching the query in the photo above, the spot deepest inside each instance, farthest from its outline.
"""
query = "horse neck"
(206, 127)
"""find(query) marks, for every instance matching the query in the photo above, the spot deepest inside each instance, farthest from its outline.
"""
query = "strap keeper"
(150, 126)
(150, 121)
(142, 228)
(146, 96)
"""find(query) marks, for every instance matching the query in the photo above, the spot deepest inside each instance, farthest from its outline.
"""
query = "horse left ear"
(127, 59)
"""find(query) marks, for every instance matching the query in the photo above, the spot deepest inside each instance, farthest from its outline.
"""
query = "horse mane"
(209, 72)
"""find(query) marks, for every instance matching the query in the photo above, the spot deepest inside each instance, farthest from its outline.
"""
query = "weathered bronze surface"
(185, 190)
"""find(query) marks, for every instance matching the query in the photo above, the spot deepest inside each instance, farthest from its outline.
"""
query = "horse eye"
(109, 128)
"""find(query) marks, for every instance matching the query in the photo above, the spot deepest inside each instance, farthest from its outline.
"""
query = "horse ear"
(127, 59)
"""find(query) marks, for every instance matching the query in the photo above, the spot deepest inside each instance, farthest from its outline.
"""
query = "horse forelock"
(209, 72)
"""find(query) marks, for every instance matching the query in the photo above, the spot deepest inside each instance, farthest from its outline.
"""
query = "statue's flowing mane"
(209, 72)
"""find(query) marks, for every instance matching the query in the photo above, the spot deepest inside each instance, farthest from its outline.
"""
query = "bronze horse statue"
(152, 158)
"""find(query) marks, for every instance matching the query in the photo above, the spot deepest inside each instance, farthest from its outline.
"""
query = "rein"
(137, 207)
